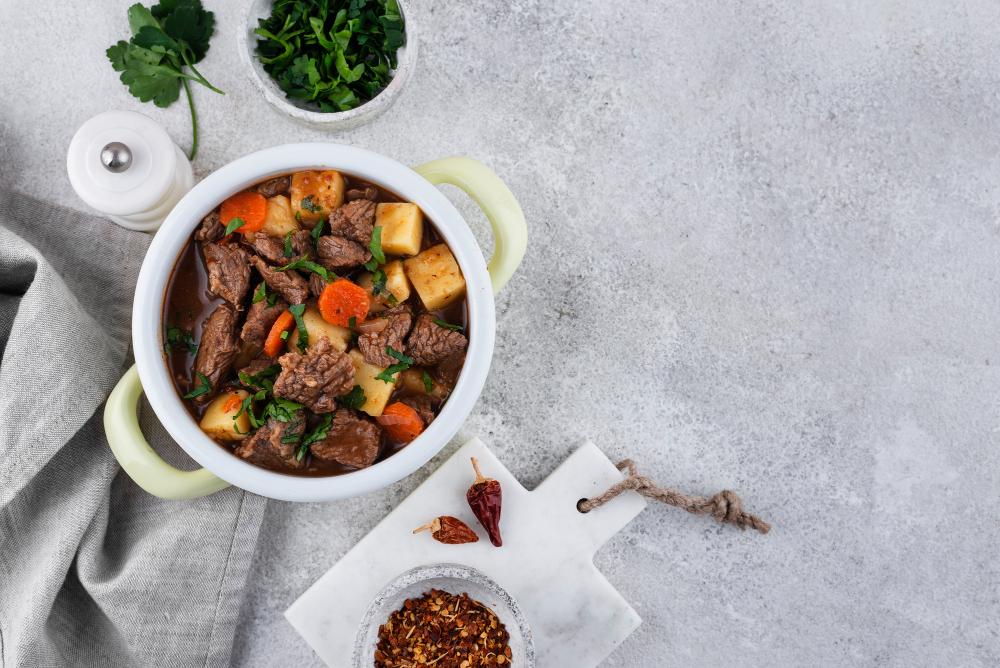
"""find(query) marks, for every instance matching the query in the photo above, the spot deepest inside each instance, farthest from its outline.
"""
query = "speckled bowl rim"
(421, 573)
(341, 120)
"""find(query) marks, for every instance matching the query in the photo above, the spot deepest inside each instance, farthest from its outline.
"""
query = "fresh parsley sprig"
(166, 38)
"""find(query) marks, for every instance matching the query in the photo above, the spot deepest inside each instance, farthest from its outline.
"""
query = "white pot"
(151, 374)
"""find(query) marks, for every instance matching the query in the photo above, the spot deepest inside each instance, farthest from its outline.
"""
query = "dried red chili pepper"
(485, 499)
(450, 531)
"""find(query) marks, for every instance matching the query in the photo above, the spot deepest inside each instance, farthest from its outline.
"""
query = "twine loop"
(726, 506)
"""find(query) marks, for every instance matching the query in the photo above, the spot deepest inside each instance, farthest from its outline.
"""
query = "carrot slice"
(401, 422)
(272, 346)
(248, 205)
(342, 300)
(233, 403)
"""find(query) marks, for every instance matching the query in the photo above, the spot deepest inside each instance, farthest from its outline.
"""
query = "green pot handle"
(497, 202)
(121, 424)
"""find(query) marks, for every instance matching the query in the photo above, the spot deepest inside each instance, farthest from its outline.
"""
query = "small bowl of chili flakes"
(445, 615)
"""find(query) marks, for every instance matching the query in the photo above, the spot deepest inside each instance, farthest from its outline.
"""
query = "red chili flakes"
(442, 630)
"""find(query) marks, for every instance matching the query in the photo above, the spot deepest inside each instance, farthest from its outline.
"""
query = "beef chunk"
(260, 317)
(338, 253)
(228, 272)
(272, 446)
(211, 228)
(317, 378)
(373, 345)
(421, 403)
(289, 284)
(449, 368)
(367, 193)
(429, 343)
(258, 364)
(316, 284)
(355, 221)
(350, 440)
(280, 185)
(273, 248)
(219, 346)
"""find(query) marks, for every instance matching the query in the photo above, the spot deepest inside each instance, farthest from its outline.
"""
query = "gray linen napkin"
(93, 570)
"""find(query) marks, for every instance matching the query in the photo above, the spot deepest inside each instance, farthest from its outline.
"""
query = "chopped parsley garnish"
(428, 383)
(317, 434)
(375, 245)
(291, 436)
(442, 323)
(298, 216)
(260, 294)
(308, 265)
(351, 322)
(204, 388)
(404, 363)
(297, 310)
(234, 224)
(284, 335)
(288, 244)
(178, 340)
(308, 205)
(355, 398)
(272, 299)
(316, 232)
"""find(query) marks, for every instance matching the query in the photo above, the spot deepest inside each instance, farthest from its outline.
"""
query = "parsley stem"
(200, 79)
(194, 121)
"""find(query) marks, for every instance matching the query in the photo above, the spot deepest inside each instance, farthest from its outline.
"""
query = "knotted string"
(724, 506)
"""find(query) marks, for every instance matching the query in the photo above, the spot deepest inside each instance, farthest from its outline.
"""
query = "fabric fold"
(93, 570)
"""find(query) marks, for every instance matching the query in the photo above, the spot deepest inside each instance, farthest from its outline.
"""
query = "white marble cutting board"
(546, 562)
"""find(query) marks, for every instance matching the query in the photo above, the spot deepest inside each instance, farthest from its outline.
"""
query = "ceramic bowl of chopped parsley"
(329, 64)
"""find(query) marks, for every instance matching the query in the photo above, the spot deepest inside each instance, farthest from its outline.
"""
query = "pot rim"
(148, 327)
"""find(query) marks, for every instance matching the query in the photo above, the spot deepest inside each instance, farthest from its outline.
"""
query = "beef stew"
(315, 323)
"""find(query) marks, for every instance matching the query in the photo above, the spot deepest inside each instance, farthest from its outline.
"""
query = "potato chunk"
(436, 276)
(376, 391)
(280, 219)
(402, 227)
(412, 381)
(375, 304)
(317, 327)
(218, 420)
(325, 188)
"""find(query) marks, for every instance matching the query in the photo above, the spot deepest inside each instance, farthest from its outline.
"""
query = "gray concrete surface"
(763, 256)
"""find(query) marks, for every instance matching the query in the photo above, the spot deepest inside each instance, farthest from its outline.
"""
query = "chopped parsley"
(178, 340)
(272, 299)
(203, 388)
(351, 322)
(297, 310)
(280, 409)
(284, 335)
(308, 265)
(308, 205)
(404, 363)
(428, 383)
(260, 294)
(288, 244)
(317, 434)
(234, 224)
(316, 232)
(375, 245)
(291, 436)
(355, 398)
(442, 323)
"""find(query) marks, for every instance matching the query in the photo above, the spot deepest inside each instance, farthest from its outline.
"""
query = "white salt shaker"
(124, 164)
